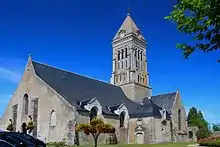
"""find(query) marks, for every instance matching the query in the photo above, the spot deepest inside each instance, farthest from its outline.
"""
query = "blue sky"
(76, 35)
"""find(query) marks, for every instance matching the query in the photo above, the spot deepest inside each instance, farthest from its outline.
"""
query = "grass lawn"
(146, 145)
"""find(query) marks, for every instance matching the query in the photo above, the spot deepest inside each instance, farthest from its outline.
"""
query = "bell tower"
(130, 62)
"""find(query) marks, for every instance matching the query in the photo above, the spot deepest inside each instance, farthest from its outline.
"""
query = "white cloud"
(208, 115)
(11, 69)
(10, 75)
(4, 100)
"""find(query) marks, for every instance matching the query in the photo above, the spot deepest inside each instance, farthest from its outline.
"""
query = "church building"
(58, 100)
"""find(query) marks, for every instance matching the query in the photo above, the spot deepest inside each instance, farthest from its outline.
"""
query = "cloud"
(4, 100)
(11, 69)
(208, 115)
(10, 75)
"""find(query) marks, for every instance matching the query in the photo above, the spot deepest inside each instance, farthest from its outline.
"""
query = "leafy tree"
(192, 117)
(216, 127)
(195, 118)
(96, 127)
(199, 19)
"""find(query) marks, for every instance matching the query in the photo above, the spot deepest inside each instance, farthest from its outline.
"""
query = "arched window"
(190, 134)
(93, 113)
(118, 55)
(25, 106)
(122, 64)
(126, 52)
(122, 52)
(141, 55)
(122, 119)
(53, 119)
(179, 119)
(138, 54)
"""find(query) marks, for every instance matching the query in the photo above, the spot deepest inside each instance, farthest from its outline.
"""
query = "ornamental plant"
(95, 128)
(10, 126)
(30, 125)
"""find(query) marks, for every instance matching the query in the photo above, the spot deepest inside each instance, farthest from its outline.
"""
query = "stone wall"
(48, 100)
(179, 135)
(141, 126)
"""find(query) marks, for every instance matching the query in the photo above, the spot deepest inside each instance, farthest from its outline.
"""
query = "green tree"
(195, 118)
(203, 125)
(215, 127)
(96, 127)
(199, 19)
(192, 117)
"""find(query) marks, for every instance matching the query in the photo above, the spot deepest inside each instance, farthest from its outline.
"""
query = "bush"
(56, 144)
(210, 142)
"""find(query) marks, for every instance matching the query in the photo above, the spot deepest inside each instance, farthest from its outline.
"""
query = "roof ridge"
(164, 94)
(65, 70)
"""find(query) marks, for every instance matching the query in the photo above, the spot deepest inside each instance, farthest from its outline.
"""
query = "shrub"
(210, 142)
(56, 144)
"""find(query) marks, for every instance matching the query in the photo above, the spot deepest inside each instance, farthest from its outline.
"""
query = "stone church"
(58, 100)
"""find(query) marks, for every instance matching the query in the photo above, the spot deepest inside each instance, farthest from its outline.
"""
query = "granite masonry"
(58, 100)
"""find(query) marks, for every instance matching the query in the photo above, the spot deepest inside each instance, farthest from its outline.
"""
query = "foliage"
(216, 127)
(211, 142)
(196, 119)
(56, 144)
(95, 128)
(192, 117)
(10, 126)
(199, 19)
(30, 126)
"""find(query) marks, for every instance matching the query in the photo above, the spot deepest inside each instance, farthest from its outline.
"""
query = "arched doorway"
(140, 138)
(122, 119)
(190, 134)
(24, 128)
(93, 113)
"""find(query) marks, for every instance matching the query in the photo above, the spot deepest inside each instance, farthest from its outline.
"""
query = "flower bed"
(210, 142)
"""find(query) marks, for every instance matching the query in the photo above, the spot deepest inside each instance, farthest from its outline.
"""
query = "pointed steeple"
(128, 27)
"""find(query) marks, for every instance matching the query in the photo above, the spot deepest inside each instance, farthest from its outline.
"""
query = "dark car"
(13, 140)
(30, 138)
(4, 143)
(16, 140)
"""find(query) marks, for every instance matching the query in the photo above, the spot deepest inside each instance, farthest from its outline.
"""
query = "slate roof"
(76, 88)
(80, 89)
(147, 109)
(165, 101)
(129, 26)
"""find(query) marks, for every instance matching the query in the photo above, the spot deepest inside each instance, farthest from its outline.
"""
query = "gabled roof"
(147, 109)
(165, 101)
(76, 88)
(128, 26)
(79, 90)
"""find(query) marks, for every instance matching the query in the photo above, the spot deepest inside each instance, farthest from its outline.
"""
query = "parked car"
(26, 138)
(30, 138)
(4, 143)
(16, 140)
